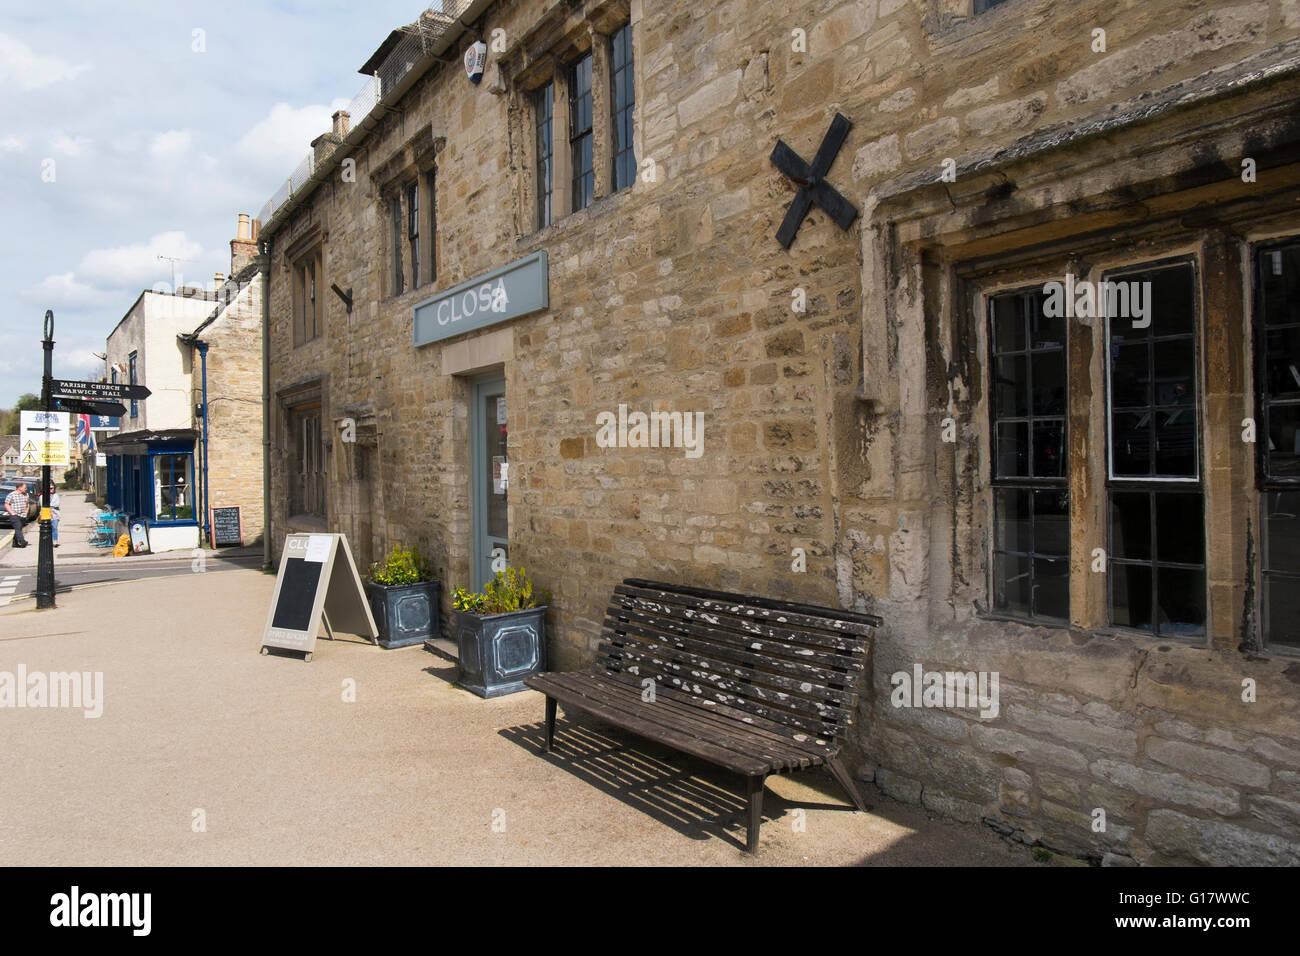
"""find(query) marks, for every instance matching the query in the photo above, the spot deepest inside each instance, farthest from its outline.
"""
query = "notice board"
(317, 583)
(226, 526)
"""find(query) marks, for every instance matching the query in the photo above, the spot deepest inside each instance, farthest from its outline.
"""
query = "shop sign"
(518, 289)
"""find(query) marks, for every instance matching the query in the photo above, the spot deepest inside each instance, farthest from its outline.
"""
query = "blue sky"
(156, 148)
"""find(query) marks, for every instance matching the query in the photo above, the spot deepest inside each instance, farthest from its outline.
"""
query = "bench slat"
(590, 699)
(794, 679)
(779, 648)
(680, 671)
(829, 630)
(846, 619)
(726, 718)
(781, 753)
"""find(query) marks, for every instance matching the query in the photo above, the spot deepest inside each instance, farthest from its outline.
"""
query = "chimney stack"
(243, 248)
(342, 123)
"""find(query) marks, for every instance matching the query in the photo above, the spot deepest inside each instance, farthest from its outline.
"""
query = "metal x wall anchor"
(812, 188)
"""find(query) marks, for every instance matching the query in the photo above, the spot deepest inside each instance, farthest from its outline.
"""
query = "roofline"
(359, 132)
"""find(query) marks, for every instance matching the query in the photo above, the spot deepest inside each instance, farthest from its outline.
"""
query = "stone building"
(149, 463)
(225, 363)
(195, 443)
(920, 410)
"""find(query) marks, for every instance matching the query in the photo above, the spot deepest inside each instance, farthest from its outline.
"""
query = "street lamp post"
(45, 550)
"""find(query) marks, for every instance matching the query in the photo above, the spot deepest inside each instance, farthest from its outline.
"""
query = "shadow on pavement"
(694, 798)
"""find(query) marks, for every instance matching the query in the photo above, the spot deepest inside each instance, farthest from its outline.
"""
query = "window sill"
(572, 222)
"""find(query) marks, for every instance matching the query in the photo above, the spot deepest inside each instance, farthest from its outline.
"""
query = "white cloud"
(13, 144)
(22, 67)
(137, 266)
(69, 145)
(64, 290)
(172, 144)
(283, 138)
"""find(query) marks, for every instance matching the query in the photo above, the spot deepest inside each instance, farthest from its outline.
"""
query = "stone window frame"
(1088, 406)
(549, 64)
(410, 166)
(1267, 483)
(1031, 484)
(292, 403)
(303, 259)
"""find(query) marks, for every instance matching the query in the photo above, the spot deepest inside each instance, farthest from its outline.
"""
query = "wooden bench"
(754, 685)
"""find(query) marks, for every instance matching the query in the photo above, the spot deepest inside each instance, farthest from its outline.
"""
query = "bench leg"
(550, 723)
(845, 780)
(755, 813)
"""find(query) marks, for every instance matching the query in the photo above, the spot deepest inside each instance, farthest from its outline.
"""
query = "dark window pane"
(1052, 588)
(1175, 368)
(1130, 443)
(1282, 531)
(1173, 303)
(1049, 383)
(1180, 527)
(1045, 331)
(1282, 365)
(1282, 610)
(1011, 583)
(1130, 525)
(1049, 449)
(1008, 323)
(1014, 528)
(1284, 441)
(1182, 601)
(1052, 522)
(1280, 278)
(1013, 450)
(1130, 595)
(1010, 387)
(1176, 442)
(1130, 379)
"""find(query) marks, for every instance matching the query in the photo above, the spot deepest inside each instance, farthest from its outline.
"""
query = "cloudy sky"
(158, 123)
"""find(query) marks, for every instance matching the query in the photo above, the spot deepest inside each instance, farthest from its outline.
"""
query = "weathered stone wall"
(820, 425)
(234, 402)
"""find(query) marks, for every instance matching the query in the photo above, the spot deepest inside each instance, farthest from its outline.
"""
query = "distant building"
(9, 455)
(199, 354)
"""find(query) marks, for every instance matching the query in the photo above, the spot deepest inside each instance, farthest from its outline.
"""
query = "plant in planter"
(500, 633)
(404, 598)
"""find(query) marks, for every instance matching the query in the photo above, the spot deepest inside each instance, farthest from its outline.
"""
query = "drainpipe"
(264, 267)
(203, 357)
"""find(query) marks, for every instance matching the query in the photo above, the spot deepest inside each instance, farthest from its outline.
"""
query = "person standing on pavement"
(16, 508)
(54, 512)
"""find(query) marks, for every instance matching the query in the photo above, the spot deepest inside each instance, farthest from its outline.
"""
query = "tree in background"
(10, 418)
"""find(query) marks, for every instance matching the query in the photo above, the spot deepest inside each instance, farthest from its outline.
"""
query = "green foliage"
(72, 478)
(509, 590)
(402, 566)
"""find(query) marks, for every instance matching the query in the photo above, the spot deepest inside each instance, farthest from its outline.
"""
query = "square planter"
(405, 614)
(497, 651)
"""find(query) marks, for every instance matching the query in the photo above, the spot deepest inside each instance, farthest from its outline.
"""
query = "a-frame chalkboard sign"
(318, 583)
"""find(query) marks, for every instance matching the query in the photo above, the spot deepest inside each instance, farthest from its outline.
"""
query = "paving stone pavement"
(266, 753)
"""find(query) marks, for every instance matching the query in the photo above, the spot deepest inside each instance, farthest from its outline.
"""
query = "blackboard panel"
(226, 526)
(297, 594)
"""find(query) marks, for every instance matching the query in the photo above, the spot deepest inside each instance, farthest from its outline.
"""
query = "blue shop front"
(150, 479)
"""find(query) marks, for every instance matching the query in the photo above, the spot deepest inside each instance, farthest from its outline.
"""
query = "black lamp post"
(45, 550)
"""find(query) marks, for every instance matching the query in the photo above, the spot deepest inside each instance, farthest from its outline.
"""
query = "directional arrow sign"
(97, 391)
(78, 407)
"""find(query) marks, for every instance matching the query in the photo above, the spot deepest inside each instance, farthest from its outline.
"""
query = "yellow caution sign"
(30, 446)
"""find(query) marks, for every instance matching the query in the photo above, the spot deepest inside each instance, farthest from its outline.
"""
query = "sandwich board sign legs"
(317, 584)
